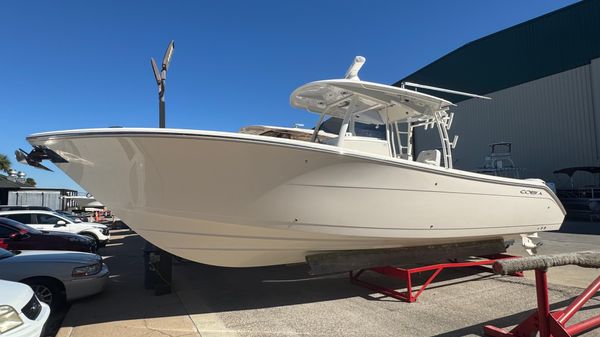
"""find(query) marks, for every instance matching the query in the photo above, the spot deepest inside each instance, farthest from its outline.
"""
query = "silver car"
(55, 276)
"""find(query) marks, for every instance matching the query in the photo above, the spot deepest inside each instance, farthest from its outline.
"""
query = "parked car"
(74, 217)
(55, 276)
(21, 313)
(17, 236)
(114, 223)
(24, 208)
(51, 221)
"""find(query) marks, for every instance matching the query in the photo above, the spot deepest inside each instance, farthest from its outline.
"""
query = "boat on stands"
(250, 199)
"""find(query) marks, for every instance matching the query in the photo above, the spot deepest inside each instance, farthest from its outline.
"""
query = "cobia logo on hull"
(531, 192)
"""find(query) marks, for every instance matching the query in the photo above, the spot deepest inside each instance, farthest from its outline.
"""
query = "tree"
(4, 163)
(30, 181)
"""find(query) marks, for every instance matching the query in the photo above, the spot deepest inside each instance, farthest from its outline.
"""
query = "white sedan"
(21, 314)
(55, 276)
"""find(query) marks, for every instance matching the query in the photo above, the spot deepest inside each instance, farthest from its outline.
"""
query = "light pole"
(161, 77)
(158, 263)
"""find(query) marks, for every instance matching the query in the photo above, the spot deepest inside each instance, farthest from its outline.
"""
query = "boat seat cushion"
(431, 157)
(364, 144)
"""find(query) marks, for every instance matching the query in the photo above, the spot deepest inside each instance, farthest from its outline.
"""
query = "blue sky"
(84, 64)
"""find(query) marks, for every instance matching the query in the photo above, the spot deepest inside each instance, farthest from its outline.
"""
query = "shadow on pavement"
(220, 289)
(459, 302)
(55, 321)
(508, 322)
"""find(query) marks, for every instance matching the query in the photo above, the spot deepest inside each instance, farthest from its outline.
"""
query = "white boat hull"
(238, 200)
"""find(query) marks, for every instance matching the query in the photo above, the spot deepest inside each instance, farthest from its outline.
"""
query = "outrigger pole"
(422, 86)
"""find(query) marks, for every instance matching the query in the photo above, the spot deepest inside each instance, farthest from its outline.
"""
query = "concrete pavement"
(554, 243)
(284, 301)
(125, 308)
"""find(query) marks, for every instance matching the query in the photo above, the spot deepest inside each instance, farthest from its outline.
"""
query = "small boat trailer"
(550, 323)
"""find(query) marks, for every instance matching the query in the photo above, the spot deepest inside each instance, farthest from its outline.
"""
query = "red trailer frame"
(551, 324)
(407, 273)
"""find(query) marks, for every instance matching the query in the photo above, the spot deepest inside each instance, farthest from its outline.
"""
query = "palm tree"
(30, 182)
(4, 163)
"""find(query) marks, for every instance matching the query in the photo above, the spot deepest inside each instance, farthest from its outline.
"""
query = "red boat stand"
(551, 324)
(406, 274)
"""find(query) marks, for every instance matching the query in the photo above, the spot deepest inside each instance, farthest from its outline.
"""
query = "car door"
(5, 239)
(49, 222)
(13, 239)
(24, 218)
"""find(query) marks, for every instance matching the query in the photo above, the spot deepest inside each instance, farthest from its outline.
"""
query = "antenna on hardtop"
(352, 73)
(161, 77)
(416, 85)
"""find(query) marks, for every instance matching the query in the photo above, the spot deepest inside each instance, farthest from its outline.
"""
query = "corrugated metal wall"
(552, 123)
(50, 199)
(552, 43)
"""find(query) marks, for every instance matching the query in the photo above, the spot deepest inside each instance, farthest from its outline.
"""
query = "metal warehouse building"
(544, 78)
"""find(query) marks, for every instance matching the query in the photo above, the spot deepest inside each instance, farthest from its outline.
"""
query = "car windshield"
(5, 253)
(20, 226)
(72, 217)
(63, 217)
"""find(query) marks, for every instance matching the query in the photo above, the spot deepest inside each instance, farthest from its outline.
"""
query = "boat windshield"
(333, 125)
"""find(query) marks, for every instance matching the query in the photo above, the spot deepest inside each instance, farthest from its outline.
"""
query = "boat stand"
(553, 323)
(406, 274)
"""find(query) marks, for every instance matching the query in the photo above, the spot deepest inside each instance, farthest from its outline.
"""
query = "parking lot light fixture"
(161, 77)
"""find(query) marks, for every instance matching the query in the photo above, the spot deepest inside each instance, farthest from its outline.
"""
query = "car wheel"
(48, 290)
(93, 237)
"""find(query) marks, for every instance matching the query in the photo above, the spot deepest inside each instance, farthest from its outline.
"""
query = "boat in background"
(500, 162)
(583, 200)
(85, 202)
(248, 199)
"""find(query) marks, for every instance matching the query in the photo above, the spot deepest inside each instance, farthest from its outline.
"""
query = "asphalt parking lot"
(286, 301)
